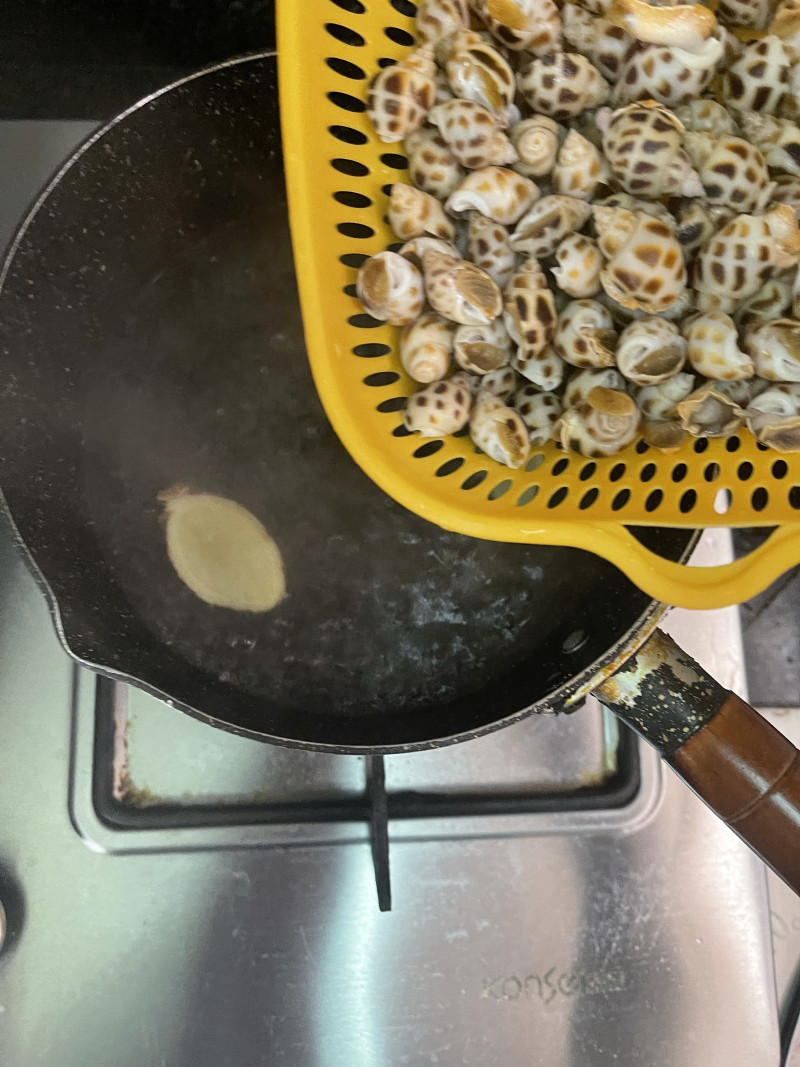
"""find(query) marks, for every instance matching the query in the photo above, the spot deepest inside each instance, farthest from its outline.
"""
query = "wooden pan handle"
(741, 766)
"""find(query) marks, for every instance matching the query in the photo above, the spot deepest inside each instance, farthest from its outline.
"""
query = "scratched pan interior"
(151, 337)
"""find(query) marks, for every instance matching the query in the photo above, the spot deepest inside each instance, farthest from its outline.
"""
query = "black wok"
(150, 337)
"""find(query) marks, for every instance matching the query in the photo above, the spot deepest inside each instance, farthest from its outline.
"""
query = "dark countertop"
(90, 59)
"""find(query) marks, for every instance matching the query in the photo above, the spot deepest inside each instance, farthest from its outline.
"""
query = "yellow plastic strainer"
(337, 176)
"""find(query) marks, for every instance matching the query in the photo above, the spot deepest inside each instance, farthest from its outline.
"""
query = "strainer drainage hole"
(759, 499)
(364, 321)
(723, 501)
(527, 496)
(500, 489)
(450, 467)
(348, 135)
(616, 472)
(401, 37)
(712, 472)
(688, 501)
(351, 199)
(345, 68)
(474, 480)
(382, 377)
(354, 6)
(347, 102)
(394, 160)
(654, 500)
(356, 230)
(353, 259)
(779, 468)
(395, 403)
(371, 349)
(430, 448)
(345, 34)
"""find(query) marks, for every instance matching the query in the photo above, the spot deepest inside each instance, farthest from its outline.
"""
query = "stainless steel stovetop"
(178, 896)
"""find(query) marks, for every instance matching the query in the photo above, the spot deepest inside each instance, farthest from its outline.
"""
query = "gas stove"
(548, 895)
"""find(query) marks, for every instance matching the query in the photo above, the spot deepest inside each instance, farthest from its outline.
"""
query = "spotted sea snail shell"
(603, 44)
(580, 168)
(579, 264)
(391, 288)
(704, 115)
(669, 76)
(498, 430)
(786, 26)
(602, 425)
(482, 349)
(582, 382)
(714, 347)
(777, 139)
(488, 248)
(775, 349)
(645, 269)
(773, 417)
(585, 335)
(643, 146)
(562, 85)
(472, 134)
(757, 81)
(536, 142)
(413, 213)
(431, 165)
(710, 412)
(734, 173)
(787, 191)
(500, 383)
(733, 264)
(650, 350)
(440, 18)
(460, 291)
(400, 97)
(772, 301)
(539, 412)
(416, 248)
(751, 14)
(658, 402)
(500, 194)
(426, 346)
(682, 26)
(476, 71)
(529, 309)
(695, 223)
(540, 231)
(522, 25)
(438, 409)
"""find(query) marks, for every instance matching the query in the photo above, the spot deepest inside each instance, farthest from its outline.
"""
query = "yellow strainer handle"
(694, 587)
